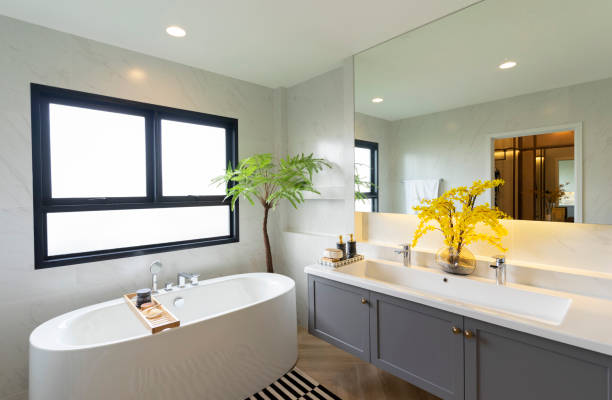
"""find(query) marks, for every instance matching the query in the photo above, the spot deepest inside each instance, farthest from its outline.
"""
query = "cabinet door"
(419, 344)
(503, 364)
(339, 314)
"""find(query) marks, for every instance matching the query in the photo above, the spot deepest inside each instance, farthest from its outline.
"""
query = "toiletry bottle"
(143, 296)
(352, 247)
(342, 246)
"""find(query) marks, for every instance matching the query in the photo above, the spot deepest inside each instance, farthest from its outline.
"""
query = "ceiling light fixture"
(507, 65)
(377, 100)
(175, 31)
(137, 74)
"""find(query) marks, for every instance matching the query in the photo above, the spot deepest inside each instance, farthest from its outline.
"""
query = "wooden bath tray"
(164, 321)
(340, 263)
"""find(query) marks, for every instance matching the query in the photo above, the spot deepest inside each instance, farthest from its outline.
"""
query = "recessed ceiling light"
(175, 31)
(377, 100)
(137, 74)
(507, 65)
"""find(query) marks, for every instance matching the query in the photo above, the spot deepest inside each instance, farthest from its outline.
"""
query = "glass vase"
(454, 262)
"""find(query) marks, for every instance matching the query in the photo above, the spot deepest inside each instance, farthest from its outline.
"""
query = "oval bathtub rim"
(55, 322)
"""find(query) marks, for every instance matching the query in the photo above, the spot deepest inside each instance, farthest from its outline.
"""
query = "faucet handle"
(500, 269)
(194, 279)
(154, 268)
(405, 247)
(499, 260)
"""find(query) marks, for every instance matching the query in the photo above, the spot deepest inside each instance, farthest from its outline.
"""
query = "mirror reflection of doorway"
(539, 174)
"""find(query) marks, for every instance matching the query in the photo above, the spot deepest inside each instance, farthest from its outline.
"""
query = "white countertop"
(587, 323)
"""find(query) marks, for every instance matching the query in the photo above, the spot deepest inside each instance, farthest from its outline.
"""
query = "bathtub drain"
(179, 302)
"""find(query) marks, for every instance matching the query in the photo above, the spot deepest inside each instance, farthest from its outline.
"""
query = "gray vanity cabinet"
(502, 364)
(452, 356)
(340, 315)
(419, 344)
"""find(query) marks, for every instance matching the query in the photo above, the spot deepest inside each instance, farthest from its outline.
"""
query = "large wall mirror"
(512, 89)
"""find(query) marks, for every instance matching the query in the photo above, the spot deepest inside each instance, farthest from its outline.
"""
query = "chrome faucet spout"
(406, 252)
(500, 270)
(182, 276)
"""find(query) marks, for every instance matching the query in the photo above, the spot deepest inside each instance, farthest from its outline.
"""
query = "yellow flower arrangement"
(458, 226)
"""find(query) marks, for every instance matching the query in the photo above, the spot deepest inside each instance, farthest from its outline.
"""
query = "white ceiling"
(270, 42)
(453, 62)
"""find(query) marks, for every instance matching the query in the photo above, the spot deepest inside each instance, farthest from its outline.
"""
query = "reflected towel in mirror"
(416, 190)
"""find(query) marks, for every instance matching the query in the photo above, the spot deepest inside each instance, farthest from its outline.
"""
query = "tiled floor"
(348, 376)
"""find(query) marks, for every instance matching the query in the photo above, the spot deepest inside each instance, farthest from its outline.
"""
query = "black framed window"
(366, 168)
(117, 178)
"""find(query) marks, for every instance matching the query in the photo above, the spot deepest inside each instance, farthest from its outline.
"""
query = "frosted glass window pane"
(363, 205)
(77, 232)
(363, 168)
(96, 153)
(192, 155)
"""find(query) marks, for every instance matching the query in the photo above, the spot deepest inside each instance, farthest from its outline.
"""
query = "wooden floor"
(348, 376)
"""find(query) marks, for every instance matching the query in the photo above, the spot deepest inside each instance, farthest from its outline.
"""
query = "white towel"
(416, 190)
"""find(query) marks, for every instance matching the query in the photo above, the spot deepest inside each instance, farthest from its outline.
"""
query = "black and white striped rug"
(295, 385)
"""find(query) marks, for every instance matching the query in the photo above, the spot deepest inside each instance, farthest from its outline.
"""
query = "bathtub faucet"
(155, 268)
(181, 276)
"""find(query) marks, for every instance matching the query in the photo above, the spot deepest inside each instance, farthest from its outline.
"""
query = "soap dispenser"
(341, 246)
(352, 247)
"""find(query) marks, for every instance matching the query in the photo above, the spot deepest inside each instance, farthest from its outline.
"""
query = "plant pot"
(459, 263)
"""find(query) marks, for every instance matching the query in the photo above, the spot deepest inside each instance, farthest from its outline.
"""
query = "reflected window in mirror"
(366, 176)
(540, 177)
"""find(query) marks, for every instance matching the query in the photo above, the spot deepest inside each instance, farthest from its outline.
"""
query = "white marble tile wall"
(30, 53)
(320, 121)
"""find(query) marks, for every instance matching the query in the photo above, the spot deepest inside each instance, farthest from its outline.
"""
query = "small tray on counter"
(340, 263)
(157, 324)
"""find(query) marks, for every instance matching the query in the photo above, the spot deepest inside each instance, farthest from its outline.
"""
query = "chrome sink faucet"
(500, 270)
(405, 251)
(181, 276)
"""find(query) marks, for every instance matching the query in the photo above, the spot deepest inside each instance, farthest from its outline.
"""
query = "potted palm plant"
(260, 178)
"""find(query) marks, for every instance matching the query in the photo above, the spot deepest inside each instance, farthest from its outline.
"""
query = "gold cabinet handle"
(364, 301)
(456, 330)
(469, 334)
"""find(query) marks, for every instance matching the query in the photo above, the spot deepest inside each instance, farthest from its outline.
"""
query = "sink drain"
(179, 302)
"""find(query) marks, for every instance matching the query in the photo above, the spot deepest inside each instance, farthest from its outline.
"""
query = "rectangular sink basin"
(473, 292)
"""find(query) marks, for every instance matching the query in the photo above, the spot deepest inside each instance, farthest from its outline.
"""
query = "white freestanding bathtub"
(238, 334)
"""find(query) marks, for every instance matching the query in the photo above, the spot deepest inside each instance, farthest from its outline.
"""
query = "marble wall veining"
(30, 53)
